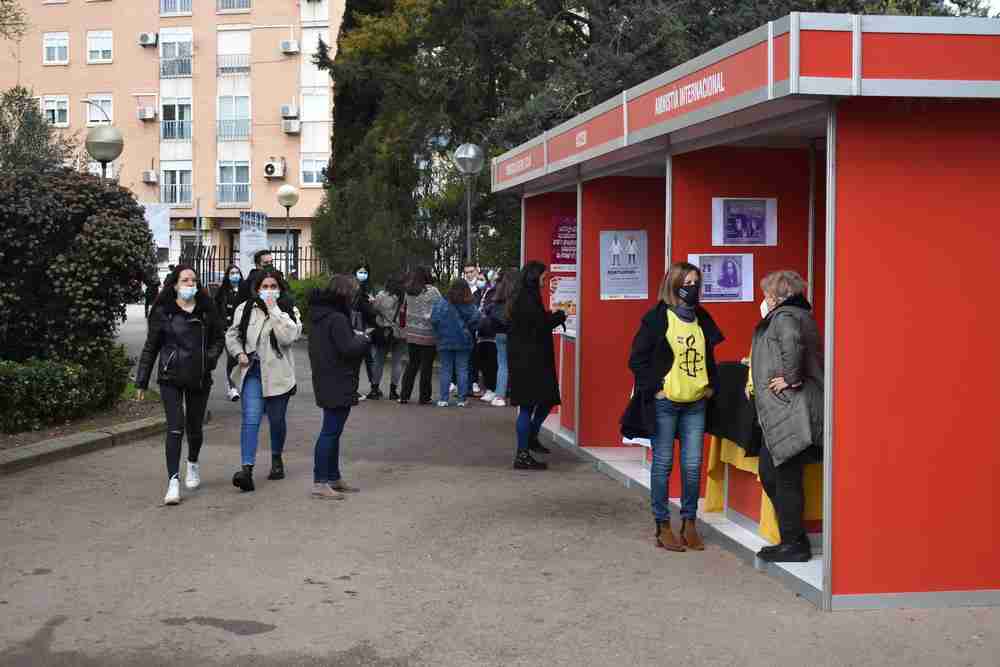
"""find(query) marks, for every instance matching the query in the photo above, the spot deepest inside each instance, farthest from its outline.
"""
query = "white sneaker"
(498, 403)
(442, 404)
(461, 404)
(475, 387)
(173, 496)
(452, 389)
(192, 479)
(234, 394)
(488, 397)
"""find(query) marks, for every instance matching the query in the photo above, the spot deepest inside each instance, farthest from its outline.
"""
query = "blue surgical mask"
(234, 278)
(272, 293)
(362, 276)
(186, 293)
(480, 284)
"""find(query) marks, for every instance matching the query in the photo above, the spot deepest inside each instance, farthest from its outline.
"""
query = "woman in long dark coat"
(532, 362)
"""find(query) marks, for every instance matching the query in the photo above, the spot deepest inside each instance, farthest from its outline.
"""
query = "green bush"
(39, 392)
(300, 293)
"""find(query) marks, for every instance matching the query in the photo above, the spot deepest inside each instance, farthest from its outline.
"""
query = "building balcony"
(233, 5)
(229, 194)
(175, 68)
(175, 130)
(233, 130)
(168, 7)
(177, 195)
(234, 65)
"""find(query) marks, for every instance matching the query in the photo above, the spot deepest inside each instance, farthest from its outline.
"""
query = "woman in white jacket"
(264, 329)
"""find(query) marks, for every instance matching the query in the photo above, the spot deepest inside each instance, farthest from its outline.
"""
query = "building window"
(100, 44)
(176, 120)
(174, 7)
(56, 110)
(175, 56)
(56, 51)
(234, 118)
(312, 170)
(234, 183)
(232, 5)
(175, 187)
(106, 103)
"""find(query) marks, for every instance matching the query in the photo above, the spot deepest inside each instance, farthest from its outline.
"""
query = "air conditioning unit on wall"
(147, 39)
(289, 111)
(289, 46)
(149, 177)
(274, 169)
(147, 113)
(291, 126)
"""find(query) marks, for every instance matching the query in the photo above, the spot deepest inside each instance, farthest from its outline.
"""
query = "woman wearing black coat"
(532, 360)
(185, 332)
(227, 297)
(335, 353)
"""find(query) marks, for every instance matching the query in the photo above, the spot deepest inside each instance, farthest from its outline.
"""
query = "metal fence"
(233, 129)
(233, 193)
(225, 5)
(235, 64)
(211, 262)
(175, 6)
(175, 193)
(172, 68)
(175, 130)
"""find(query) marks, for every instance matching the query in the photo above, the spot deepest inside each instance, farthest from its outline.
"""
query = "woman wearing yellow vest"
(673, 361)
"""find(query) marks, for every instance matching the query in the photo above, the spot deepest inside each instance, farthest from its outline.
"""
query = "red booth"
(864, 153)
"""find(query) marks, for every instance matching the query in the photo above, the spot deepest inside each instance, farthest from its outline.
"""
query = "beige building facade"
(218, 100)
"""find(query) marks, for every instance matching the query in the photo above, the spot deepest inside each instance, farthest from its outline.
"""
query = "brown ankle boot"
(690, 536)
(665, 537)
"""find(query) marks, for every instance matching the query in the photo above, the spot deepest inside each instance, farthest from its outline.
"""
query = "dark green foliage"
(300, 294)
(37, 392)
(72, 254)
(26, 138)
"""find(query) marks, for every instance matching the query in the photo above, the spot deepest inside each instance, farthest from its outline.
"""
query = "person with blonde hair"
(673, 360)
(786, 386)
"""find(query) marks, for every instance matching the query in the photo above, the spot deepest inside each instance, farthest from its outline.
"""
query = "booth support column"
(668, 212)
(523, 198)
(577, 382)
(828, 350)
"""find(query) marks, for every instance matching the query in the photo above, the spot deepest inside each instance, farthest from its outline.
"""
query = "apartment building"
(218, 101)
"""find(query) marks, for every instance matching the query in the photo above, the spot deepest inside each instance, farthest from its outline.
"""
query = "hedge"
(39, 392)
(300, 293)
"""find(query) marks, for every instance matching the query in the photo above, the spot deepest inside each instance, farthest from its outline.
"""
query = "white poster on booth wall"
(562, 296)
(744, 221)
(624, 265)
(725, 277)
(253, 237)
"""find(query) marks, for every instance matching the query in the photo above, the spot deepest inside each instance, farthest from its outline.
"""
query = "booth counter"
(863, 153)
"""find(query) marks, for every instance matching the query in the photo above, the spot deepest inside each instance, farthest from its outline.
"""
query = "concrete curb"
(56, 449)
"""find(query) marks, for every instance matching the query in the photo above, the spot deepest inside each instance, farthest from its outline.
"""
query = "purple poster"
(563, 245)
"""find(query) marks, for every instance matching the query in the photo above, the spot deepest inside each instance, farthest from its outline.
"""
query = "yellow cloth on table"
(722, 451)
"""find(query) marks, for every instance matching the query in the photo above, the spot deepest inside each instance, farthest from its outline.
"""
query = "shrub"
(72, 253)
(39, 392)
(300, 293)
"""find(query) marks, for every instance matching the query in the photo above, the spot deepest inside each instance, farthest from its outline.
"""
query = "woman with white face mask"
(363, 318)
(185, 332)
(261, 337)
(226, 299)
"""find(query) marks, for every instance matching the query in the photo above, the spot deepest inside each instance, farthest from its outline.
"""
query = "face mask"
(492, 275)
(266, 294)
(268, 267)
(362, 276)
(186, 293)
(689, 294)
(764, 309)
(480, 284)
(234, 278)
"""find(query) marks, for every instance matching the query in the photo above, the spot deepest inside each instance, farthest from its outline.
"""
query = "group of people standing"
(478, 327)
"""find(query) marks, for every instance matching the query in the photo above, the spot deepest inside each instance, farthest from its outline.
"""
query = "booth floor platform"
(626, 465)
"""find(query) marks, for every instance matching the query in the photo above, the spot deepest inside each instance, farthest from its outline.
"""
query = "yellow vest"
(687, 380)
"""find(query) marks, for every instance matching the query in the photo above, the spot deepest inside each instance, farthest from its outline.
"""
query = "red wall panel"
(824, 54)
(949, 57)
(607, 327)
(915, 491)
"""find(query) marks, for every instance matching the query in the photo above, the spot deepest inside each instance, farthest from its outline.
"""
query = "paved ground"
(447, 557)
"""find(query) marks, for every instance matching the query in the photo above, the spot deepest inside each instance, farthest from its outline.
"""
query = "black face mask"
(689, 294)
(268, 267)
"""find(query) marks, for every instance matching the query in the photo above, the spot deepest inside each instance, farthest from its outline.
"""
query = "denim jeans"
(529, 423)
(685, 421)
(501, 390)
(326, 455)
(454, 363)
(254, 406)
(397, 348)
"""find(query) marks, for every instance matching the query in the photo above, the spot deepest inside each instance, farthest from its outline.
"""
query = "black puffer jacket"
(335, 351)
(188, 345)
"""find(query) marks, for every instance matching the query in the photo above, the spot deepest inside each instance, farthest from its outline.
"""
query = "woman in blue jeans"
(261, 339)
(335, 354)
(497, 312)
(673, 359)
(454, 320)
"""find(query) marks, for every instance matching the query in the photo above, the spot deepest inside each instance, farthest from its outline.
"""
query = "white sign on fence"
(253, 237)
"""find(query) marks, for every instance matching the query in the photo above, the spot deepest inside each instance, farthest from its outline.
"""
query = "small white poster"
(624, 265)
(725, 277)
(253, 237)
(744, 221)
(563, 296)
(158, 218)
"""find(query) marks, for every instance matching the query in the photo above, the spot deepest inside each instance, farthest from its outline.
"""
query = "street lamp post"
(469, 159)
(288, 196)
(104, 142)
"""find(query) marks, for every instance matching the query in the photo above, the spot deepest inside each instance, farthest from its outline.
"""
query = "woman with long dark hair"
(264, 329)
(421, 296)
(496, 314)
(363, 318)
(185, 332)
(534, 386)
(227, 297)
(335, 353)
(388, 337)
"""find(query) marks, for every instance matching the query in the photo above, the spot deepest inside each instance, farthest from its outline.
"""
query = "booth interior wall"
(567, 388)
(915, 491)
(613, 203)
